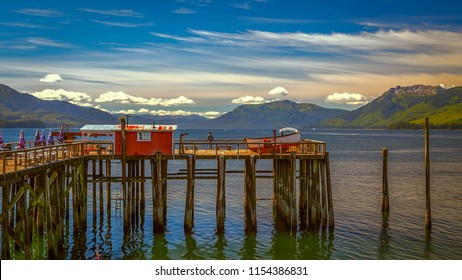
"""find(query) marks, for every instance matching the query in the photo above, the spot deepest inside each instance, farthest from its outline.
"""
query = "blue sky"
(208, 57)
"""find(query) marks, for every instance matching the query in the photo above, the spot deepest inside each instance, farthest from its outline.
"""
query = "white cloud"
(40, 12)
(184, 11)
(122, 97)
(243, 6)
(278, 90)
(51, 78)
(249, 100)
(346, 98)
(208, 114)
(120, 13)
(48, 43)
(122, 24)
(77, 98)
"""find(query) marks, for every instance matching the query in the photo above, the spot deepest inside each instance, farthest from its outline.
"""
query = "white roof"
(108, 128)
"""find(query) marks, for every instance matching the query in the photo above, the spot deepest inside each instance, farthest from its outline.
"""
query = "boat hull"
(268, 144)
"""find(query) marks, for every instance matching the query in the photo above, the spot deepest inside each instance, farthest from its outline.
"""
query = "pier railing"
(240, 147)
(14, 160)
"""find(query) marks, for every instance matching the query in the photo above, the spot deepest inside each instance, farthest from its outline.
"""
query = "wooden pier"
(45, 188)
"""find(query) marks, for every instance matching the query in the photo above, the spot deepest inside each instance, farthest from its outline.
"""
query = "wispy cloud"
(184, 11)
(45, 42)
(122, 24)
(264, 20)
(179, 38)
(23, 24)
(243, 6)
(119, 13)
(40, 12)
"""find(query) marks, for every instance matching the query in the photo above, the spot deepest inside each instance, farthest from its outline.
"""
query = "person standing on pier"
(210, 139)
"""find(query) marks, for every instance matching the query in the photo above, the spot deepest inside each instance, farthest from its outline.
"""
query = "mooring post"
(329, 194)
(124, 170)
(292, 201)
(385, 197)
(158, 195)
(322, 170)
(189, 207)
(5, 218)
(428, 212)
(303, 194)
(250, 195)
(142, 194)
(221, 202)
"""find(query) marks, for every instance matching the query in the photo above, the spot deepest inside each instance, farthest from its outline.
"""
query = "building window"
(144, 136)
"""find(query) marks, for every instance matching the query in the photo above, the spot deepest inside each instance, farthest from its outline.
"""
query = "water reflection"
(191, 249)
(220, 245)
(159, 248)
(428, 244)
(249, 246)
(384, 247)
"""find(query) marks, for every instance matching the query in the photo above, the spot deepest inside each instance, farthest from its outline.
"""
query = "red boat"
(289, 137)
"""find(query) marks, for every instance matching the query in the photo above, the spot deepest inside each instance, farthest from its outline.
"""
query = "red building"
(140, 139)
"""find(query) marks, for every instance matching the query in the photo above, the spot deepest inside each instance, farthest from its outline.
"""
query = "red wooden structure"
(140, 139)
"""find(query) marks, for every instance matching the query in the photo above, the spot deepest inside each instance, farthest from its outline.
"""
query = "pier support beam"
(159, 193)
(221, 201)
(385, 197)
(189, 207)
(250, 195)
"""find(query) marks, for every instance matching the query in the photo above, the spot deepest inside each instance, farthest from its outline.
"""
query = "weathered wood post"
(221, 202)
(158, 205)
(303, 194)
(124, 170)
(189, 207)
(291, 199)
(428, 212)
(385, 197)
(250, 195)
(330, 205)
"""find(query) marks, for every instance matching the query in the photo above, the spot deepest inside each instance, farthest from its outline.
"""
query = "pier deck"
(42, 186)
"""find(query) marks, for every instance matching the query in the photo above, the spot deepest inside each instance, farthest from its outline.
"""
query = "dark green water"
(361, 232)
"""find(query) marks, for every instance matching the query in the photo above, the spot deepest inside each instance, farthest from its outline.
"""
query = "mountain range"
(399, 107)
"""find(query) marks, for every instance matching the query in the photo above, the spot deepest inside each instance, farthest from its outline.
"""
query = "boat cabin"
(140, 139)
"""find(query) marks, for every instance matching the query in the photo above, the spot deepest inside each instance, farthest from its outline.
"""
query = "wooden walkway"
(43, 187)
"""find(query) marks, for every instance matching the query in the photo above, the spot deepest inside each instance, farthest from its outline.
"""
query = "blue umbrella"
(60, 136)
(22, 141)
(50, 138)
(37, 139)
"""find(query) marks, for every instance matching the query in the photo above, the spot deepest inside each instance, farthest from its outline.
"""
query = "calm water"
(360, 232)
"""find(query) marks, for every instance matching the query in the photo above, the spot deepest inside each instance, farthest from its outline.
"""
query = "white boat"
(288, 137)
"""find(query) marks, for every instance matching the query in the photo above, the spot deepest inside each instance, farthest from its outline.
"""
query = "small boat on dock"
(288, 137)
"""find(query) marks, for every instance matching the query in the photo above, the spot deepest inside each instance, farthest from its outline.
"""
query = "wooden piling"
(189, 207)
(303, 194)
(220, 199)
(158, 195)
(428, 212)
(250, 195)
(330, 205)
(385, 197)
(291, 195)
